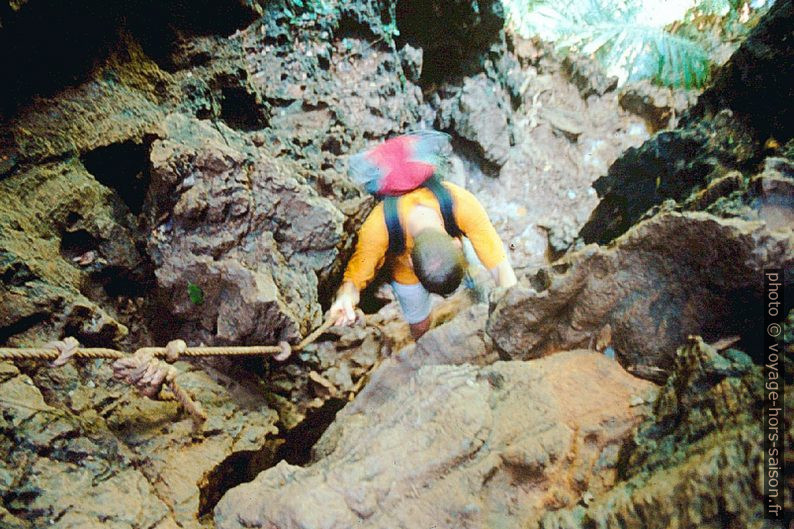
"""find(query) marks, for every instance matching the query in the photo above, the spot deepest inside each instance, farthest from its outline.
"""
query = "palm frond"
(613, 36)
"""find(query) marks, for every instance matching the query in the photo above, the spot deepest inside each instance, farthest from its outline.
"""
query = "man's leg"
(418, 329)
(415, 303)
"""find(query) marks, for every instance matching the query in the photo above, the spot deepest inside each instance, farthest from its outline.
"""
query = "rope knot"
(147, 375)
(286, 351)
(144, 372)
(174, 349)
(66, 350)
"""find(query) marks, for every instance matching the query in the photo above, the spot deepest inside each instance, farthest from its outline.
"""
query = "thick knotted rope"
(144, 371)
(69, 348)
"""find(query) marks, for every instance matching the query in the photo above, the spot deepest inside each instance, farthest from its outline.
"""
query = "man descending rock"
(416, 229)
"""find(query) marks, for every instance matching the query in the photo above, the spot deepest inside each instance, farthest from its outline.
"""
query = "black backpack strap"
(446, 204)
(396, 235)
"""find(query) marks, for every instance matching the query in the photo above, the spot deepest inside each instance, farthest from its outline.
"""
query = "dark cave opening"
(241, 111)
(23, 324)
(351, 28)
(452, 35)
(76, 243)
(747, 308)
(371, 302)
(242, 467)
(238, 468)
(473, 156)
(46, 46)
(117, 281)
(160, 25)
(299, 441)
(123, 167)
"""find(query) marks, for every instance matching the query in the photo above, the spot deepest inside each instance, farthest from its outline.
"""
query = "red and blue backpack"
(402, 164)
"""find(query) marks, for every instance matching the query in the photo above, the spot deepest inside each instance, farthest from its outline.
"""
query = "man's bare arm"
(503, 274)
(343, 309)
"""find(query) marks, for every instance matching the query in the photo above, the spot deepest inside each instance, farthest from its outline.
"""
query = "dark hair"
(438, 262)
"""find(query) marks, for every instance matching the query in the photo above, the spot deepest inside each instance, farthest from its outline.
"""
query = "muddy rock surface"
(673, 275)
(472, 462)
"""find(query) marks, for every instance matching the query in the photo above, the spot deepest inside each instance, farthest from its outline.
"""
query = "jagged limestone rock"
(95, 454)
(668, 277)
(480, 112)
(233, 222)
(61, 234)
(697, 461)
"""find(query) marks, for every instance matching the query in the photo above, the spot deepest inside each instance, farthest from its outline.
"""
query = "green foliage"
(306, 12)
(611, 33)
(719, 8)
(195, 294)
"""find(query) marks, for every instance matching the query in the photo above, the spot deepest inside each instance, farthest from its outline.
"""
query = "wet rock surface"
(508, 435)
(668, 277)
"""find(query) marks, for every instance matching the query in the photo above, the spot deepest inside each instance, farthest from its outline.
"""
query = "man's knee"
(418, 329)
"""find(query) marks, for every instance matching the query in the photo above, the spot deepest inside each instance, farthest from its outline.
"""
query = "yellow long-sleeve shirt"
(373, 237)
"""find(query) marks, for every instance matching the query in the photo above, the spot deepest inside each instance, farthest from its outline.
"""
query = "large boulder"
(480, 112)
(238, 242)
(455, 446)
(697, 461)
(669, 277)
